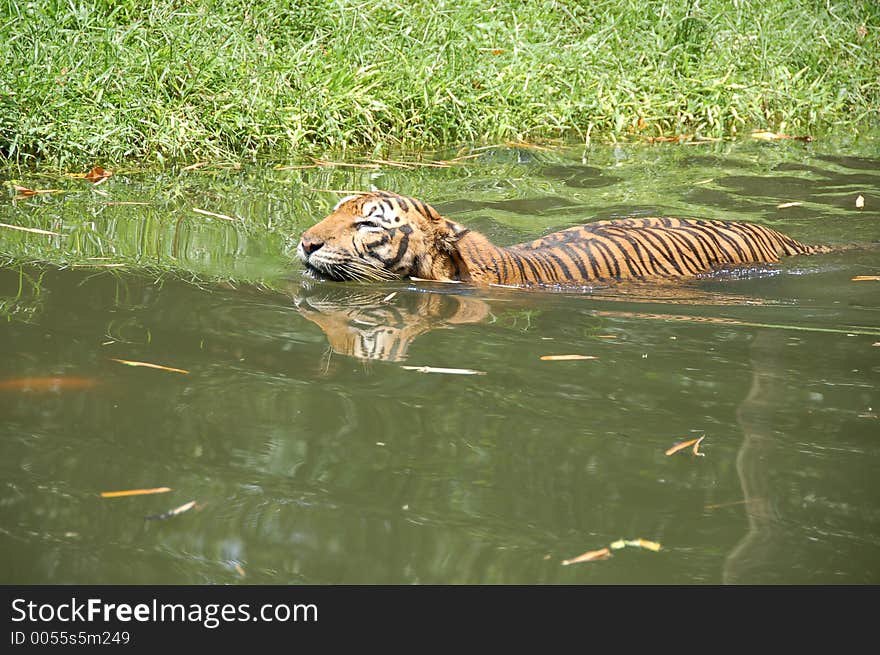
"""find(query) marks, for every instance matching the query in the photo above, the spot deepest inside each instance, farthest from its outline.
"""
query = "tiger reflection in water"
(376, 325)
(381, 324)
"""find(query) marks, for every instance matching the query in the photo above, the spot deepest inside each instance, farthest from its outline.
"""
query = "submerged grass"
(182, 81)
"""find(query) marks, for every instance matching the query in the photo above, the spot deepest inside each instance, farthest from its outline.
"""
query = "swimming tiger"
(384, 236)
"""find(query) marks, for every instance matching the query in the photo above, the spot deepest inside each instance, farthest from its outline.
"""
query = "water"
(314, 457)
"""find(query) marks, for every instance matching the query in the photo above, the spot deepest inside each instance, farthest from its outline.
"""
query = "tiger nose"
(310, 245)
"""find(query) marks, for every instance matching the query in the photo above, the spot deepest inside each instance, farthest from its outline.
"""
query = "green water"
(314, 457)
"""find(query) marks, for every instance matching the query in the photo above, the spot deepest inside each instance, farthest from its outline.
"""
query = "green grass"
(172, 81)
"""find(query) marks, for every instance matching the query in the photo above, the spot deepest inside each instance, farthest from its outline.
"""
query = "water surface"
(314, 457)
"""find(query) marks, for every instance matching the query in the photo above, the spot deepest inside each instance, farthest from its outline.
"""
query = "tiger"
(379, 235)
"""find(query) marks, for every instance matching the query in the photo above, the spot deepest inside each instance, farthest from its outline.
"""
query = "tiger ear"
(449, 232)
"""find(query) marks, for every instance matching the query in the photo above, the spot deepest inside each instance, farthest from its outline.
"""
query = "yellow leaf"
(589, 556)
(97, 175)
(24, 191)
(682, 445)
(564, 358)
(649, 545)
(205, 212)
(450, 371)
(129, 362)
(30, 229)
(767, 136)
(134, 492)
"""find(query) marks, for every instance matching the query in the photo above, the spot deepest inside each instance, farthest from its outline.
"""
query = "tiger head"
(383, 236)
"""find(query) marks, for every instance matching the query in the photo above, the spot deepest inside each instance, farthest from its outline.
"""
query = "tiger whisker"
(366, 272)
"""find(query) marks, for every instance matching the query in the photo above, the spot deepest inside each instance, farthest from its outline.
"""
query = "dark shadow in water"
(856, 163)
(751, 560)
(819, 187)
(523, 206)
(579, 177)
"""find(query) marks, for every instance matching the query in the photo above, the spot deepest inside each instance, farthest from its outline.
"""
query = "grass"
(177, 81)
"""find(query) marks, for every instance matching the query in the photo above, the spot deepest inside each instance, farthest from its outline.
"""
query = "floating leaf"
(205, 212)
(525, 144)
(647, 545)
(565, 358)
(48, 384)
(388, 162)
(636, 543)
(866, 278)
(129, 362)
(108, 265)
(682, 445)
(422, 279)
(24, 192)
(293, 167)
(786, 205)
(589, 556)
(192, 167)
(134, 492)
(767, 136)
(97, 175)
(775, 136)
(172, 512)
(676, 138)
(342, 164)
(451, 371)
(30, 229)
(860, 202)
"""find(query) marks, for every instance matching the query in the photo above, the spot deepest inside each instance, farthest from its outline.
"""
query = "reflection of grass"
(238, 80)
(520, 319)
(24, 300)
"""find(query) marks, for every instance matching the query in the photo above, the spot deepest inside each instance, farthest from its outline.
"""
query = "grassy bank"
(174, 80)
